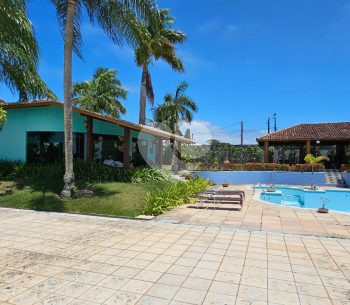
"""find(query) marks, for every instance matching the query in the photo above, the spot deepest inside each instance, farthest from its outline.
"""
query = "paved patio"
(256, 215)
(48, 258)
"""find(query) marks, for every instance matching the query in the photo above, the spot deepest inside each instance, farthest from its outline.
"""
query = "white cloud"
(203, 131)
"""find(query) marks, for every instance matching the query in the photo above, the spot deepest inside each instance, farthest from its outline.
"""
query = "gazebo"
(306, 137)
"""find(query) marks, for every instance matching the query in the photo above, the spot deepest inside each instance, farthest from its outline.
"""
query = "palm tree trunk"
(68, 133)
(143, 94)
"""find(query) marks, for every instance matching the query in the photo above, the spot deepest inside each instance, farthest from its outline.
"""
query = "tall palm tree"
(114, 17)
(176, 108)
(156, 41)
(19, 52)
(101, 94)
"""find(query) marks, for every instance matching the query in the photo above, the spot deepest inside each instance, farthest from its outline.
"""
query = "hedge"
(252, 167)
(174, 195)
(86, 171)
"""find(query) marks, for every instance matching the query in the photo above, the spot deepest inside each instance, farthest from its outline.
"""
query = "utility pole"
(275, 122)
(268, 125)
(241, 133)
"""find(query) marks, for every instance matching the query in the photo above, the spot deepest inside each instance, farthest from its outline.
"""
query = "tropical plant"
(313, 162)
(3, 116)
(174, 195)
(85, 171)
(156, 41)
(101, 94)
(114, 17)
(19, 52)
(176, 108)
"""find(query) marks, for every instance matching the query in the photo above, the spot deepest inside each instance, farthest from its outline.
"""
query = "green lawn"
(118, 199)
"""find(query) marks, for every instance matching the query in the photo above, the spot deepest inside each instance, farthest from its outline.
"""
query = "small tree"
(3, 116)
(314, 161)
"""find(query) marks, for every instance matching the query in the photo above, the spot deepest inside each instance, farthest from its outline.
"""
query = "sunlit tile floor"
(68, 259)
(256, 215)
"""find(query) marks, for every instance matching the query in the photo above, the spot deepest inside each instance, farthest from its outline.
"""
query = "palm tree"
(114, 18)
(314, 161)
(156, 41)
(101, 94)
(175, 109)
(19, 52)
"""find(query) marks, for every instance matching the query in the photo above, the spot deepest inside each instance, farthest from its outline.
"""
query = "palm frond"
(181, 88)
(19, 53)
(101, 94)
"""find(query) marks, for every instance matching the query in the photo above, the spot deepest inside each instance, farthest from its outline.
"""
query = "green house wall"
(13, 135)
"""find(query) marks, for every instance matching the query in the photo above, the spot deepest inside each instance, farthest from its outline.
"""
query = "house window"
(48, 147)
(139, 152)
(108, 147)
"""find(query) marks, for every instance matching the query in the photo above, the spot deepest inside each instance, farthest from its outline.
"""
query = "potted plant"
(314, 161)
(323, 210)
(225, 184)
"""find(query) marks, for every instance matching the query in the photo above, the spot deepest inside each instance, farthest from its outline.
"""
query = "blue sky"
(245, 60)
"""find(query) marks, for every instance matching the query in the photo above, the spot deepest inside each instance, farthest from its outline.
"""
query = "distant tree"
(19, 53)
(101, 94)
(157, 40)
(175, 109)
(188, 134)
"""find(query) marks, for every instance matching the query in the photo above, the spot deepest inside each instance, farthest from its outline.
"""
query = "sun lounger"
(219, 199)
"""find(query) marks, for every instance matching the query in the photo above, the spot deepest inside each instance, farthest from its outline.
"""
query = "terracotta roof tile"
(316, 131)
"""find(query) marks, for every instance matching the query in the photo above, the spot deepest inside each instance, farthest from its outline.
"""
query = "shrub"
(3, 116)
(229, 166)
(87, 171)
(174, 195)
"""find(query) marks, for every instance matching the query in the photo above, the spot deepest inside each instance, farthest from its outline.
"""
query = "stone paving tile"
(57, 259)
(256, 215)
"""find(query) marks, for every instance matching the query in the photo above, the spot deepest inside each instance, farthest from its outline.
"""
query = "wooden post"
(126, 148)
(266, 152)
(308, 147)
(90, 138)
(301, 153)
(159, 152)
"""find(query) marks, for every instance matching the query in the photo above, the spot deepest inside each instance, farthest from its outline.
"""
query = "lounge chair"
(217, 199)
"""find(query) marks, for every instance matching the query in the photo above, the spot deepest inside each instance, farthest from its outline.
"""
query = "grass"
(115, 198)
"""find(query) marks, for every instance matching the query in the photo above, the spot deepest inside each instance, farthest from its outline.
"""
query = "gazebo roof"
(314, 132)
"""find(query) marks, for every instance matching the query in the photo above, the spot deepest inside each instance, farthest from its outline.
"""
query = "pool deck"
(259, 216)
(63, 259)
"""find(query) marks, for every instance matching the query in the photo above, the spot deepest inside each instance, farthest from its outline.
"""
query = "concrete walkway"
(256, 215)
(48, 258)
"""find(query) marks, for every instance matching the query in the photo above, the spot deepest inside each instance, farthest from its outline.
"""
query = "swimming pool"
(336, 200)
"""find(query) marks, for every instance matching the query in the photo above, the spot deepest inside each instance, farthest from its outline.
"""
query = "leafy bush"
(229, 166)
(87, 171)
(174, 195)
(3, 116)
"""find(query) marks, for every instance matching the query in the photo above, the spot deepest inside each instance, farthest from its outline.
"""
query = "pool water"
(336, 200)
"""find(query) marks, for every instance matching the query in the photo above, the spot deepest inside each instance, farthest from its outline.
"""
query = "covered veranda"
(331, 139)
(40, 131)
